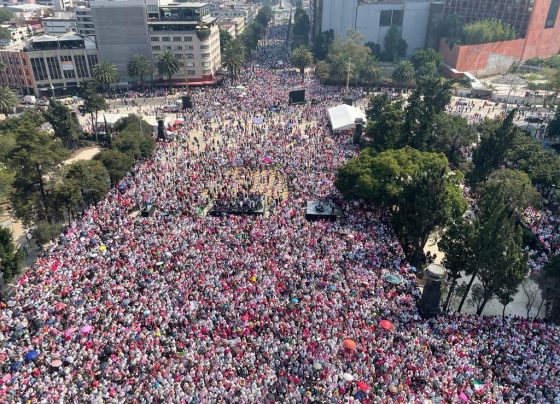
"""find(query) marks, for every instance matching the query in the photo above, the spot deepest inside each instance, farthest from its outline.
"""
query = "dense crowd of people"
(182, 307)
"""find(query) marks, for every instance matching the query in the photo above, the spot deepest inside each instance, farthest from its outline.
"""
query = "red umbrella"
(387, 325)
(349, 344)
(363, 386)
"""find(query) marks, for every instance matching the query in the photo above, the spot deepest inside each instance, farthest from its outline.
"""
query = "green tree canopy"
(10, 255)
(322, 44)
(93, 102)
(105, 74)
(394, 45)
(301, 58)
(168, 65)
(233, 58)
(64, 124)
(116, 163)
(485, 31)
(403, 73)
(225, 38)
(139, 66)
(35, 156)
(8, 99)
(495, 140)
(427, 62)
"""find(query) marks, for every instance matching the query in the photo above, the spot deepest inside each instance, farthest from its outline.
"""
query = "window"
(205, 55)
(552, 14)
(204, 47)
(190, 64)
(39, 69)
(190, 56)
(189, 48)
(385, 18)
(54, 68)
(168, 47)
(92, 61)
(205, 63)
(188, 38)
(191, 72)
(156, 47)
(391, 17)
(179, 47)
(178, 56)
(397, 18)
(81, 66)
(68, 67)
(177, 38)
(154, 38)
(166, 39)
(206, 71)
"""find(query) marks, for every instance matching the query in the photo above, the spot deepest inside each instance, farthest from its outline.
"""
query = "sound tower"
(187, 102)
(160, 130)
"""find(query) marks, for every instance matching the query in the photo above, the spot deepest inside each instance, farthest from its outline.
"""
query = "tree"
(429, 98)
(451, 28)
(492, 149)
(10, 255)
(543, 166)
(64, 124)
(322, 44)
(105, 74)
(553, 130)
(384, 129)
(403, 73)
(381, 177)
(450, 134)
(168, 65)
(395, 46)
(500, 264)
(233, 58)
(323, 70)
(8, 99)
(5, 34)
(225, 38)
(427, 62)
(459, 255)
(301, 28)
(264, 16)
(485, 31)
(35, 156)
(348, 57)
(116, 163)
(133, 139)
(46, 232)
(84, 183)
(139, 66)
(370, 72)
(301, 58)
(93, 103)
(5, 15)
(427, 203)
(550, 286)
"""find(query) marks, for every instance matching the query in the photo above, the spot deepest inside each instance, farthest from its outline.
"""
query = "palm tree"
(140, 66)
(105, 74)
(233, 58)
(301, 58)
(404, 73)
(2, 66)
(370, 72)
(8, 99)
(167, 65)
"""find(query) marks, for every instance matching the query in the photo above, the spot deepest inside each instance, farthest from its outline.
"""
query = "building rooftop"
(27, 7)
(63, 41)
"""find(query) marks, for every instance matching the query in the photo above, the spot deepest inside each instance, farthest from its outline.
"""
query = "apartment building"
(127, 27)
(49, 65)
(84, 21)
(60, 23)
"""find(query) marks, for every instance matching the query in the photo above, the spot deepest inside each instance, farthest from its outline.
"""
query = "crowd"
(186, 308)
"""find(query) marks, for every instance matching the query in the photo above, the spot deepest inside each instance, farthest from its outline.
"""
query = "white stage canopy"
(343, 117)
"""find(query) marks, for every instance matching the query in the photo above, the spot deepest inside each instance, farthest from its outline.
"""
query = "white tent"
(343, 117)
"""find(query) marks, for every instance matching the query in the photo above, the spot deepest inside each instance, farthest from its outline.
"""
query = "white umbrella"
(348, 377)
(317, 366)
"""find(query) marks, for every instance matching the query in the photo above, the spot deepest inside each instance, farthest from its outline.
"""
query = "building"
(84, 21)
(60, 23)
(124, 28)
(536, 21)
(373, 18)
(18, 34)
(58, 5)
(49, 65)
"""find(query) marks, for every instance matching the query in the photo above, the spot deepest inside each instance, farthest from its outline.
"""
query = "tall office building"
(373, 18)
(124, 28)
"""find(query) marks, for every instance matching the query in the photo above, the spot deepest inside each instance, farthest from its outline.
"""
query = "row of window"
(168, 39)
(63, 66)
